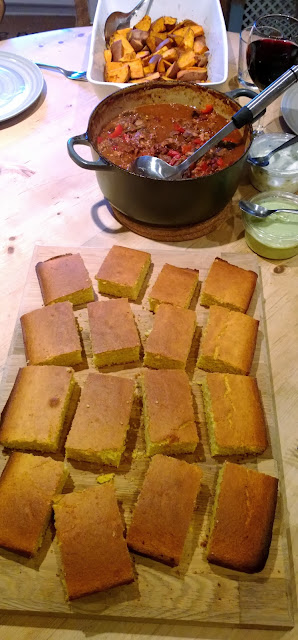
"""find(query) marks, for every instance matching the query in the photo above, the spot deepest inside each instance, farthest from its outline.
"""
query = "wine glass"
(272, 49)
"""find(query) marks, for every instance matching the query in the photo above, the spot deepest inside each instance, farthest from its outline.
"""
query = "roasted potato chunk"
(164, 49)
(193, 74)
(144, 24)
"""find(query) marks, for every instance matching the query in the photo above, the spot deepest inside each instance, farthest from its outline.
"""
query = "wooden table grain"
(47, 199)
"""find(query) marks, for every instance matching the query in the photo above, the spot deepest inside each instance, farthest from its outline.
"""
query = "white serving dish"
(208, 13)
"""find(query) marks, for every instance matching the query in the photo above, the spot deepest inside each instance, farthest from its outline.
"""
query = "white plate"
(208, 13)
(21, 83)
(289, 108)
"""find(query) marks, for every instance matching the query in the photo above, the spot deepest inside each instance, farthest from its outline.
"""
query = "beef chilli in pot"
(171, 132)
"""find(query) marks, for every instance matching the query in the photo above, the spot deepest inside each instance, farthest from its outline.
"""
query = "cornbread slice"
(229, 286)
(234, 414)
(65, 278)
(228, 341)
(243, 516)
(168, 412)
(51, 336)
(174, 285)
(164, 509)
(169, 343)
(28, 485)
(114, 335)
(101, 422)
(90, 537)
(123, 272)
(34, 415)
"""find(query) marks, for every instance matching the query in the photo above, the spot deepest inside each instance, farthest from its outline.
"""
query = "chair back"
(2, 9)
(82, 13)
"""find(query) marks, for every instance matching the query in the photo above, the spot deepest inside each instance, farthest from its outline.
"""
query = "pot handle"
(248, 93)
(84, 164)
(237, 93)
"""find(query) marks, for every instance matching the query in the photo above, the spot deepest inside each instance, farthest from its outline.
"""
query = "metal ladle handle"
(248, 113)
(244, 116)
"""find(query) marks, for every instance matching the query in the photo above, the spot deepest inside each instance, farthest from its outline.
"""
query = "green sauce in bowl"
(275, 237)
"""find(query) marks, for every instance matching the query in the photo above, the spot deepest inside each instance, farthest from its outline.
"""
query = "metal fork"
(72, 75)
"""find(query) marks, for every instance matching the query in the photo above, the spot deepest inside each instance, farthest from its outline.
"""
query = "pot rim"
(158, 84)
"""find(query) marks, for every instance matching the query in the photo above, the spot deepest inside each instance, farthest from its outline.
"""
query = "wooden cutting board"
(196, 591)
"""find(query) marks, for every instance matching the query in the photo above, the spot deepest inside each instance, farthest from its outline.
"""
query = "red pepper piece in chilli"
(178, 127)
(174, 154)
(117, 131)
(207, 109)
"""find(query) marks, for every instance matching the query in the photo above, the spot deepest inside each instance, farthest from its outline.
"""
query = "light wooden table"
(47, 199)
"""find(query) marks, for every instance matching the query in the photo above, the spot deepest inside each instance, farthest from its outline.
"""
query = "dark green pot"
(160, 202)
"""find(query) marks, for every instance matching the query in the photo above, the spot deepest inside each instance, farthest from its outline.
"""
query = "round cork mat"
(172, 234)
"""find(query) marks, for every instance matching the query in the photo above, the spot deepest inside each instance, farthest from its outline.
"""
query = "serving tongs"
(152, 167)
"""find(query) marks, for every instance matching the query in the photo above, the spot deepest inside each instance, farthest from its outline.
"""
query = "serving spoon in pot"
(259, 211)
(152, 167)
(119, 20)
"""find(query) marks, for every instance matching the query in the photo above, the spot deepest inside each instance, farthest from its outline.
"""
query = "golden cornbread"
(228, 286)
(123, 272)
(169, 343)
(101, 421)
(64, 278)
(234, 414)
(35, 412)
(114, 335)
(51, 336)
(168, 412)
(243, 517)
(93, 551)
(28, 485)
(174, 285)
(228, 342)
(164, 509)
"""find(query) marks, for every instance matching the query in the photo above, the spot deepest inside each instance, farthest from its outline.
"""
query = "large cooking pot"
(155, 201)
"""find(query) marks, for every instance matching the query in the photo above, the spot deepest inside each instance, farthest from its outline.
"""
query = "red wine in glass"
(269, 58)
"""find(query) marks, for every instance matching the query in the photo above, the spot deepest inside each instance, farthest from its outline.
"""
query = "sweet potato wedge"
(181, 31)
(117, 50)
(158, 25)
(107, 55)
(187, 59)
(188, 39)
(123, 32)
(170, 55)
(194, 74)
(200, 46)
(170, 22)
(144, 24)
(142, 54)
(172, 70)
(197, 30)
(152, 76)
(201, 61)
(136, 69)
(121, 74)
(138, 35)
(178, 40)
(161, 67)
(150, 68)
(151, 42)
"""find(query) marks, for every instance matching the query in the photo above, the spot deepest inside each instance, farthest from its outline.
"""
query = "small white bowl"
(208, 13)
(281, 174)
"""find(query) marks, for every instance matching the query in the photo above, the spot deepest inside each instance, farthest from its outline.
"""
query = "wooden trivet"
(172, 234)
